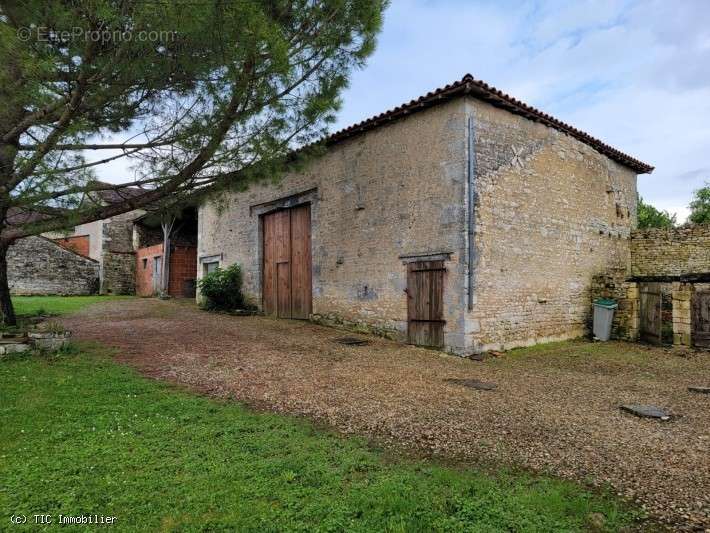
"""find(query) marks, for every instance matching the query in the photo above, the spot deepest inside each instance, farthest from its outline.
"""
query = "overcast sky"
(635, 74)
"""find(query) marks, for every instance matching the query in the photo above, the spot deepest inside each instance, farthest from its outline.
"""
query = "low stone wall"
(677, 256)
(668, 253)
(39, 266)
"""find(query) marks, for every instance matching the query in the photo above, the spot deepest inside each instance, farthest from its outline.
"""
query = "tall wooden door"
(701, 319)
(157, 273)
(650, 312)
(425, 303)
(287, 262)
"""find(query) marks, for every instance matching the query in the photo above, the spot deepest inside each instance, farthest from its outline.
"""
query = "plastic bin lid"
(606, 302)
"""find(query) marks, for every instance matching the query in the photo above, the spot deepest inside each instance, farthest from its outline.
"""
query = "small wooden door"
(157, 273)
(287, 262)
(701, 319)
(650, 312)
(425, 303)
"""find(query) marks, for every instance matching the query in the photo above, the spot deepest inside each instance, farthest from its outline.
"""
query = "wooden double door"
(287, 262)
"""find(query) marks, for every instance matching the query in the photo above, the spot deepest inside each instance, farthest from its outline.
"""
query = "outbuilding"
(464, 220)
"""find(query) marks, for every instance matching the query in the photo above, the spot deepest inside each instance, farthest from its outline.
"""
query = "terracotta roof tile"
(481, 90)
(112, 196)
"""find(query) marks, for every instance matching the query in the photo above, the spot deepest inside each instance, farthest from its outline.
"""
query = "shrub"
(222, 289)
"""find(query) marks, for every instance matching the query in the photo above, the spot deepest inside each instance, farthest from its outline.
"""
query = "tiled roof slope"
(478, 89)
(113, 196)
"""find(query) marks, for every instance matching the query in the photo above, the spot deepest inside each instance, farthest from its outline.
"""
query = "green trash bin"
(603, 317)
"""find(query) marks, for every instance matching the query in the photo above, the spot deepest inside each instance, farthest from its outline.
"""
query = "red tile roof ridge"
(470, 86)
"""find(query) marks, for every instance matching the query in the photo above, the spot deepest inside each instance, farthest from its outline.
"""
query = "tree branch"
(115, 146)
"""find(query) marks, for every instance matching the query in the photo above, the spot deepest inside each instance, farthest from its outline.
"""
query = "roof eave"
(468, 86)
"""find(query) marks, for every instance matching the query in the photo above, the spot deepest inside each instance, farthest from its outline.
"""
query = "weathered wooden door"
(650, 312)
(287, 262)
(157, 273)
(701, 319)
(425, 303)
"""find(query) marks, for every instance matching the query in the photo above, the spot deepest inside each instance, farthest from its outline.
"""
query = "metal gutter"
(471, 182)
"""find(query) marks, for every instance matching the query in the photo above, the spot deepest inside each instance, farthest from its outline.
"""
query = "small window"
(210, 267)
(145, 263)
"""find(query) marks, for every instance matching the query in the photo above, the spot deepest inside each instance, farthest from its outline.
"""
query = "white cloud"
(633, 73)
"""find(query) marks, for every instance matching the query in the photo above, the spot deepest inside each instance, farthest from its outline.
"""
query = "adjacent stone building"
(464, 220)
(109, 242)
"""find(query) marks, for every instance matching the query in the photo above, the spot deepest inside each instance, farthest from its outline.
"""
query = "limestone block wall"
(682, 294)
(117, 255)
(398, 190)
(39, 266)
(111, 244)
(551, 214)
(614, 284)
(658, 252)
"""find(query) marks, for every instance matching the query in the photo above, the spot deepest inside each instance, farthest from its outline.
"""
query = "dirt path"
(555, 409)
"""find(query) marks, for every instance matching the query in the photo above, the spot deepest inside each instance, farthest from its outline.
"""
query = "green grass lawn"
(56, 305)
(83, 434)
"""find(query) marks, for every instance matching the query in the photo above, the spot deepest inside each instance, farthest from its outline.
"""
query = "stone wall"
(551, 214)
(39, 266)
(614, 284)
(679, 256)
(117, 255)
(672, 252)
(682, 294)
(398, 190)
(111, 244)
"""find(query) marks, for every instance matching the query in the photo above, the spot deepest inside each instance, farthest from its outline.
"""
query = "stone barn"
(464, 220)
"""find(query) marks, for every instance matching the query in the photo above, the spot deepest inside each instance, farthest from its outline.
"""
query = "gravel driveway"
(555, 409)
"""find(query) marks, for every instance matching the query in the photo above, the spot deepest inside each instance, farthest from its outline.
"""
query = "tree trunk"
(165, 274)
(167, 226)
(8, 311)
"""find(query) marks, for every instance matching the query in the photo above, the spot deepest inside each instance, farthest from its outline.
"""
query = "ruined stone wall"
(672, 252)
(111, 244)
(39, 266)
(398, 190)
(117, 255)
(551, 213)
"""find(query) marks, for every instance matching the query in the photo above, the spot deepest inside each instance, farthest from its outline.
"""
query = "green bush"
(222, 289)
